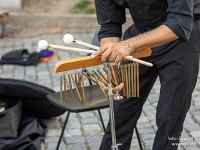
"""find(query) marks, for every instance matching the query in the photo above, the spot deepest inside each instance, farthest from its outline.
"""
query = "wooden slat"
(87, 61)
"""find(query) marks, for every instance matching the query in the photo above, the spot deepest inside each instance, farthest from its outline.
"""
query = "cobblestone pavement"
(83, 131)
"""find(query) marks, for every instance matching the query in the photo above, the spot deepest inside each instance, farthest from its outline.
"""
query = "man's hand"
(115, 90)
(118, 88)
(115, 51)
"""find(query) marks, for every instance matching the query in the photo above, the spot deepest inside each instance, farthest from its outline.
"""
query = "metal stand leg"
(63, 129)
(104, 129)
(114, 145)
(138, 137)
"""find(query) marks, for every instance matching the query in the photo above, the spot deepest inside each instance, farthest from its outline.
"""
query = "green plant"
(82, 4)
(90, 10)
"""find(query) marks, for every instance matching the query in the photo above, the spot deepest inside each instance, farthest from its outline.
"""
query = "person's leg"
(178, 70)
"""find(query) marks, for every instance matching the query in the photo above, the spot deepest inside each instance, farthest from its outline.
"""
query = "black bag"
(21, 57)
(28, 135)
(22, 103)
(33, 97)
(10, 118)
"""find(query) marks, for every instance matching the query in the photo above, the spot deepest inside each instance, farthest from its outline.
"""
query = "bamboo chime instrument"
(127, 72)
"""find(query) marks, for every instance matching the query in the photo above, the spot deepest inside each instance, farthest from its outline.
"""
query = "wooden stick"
(61, 89)
(138, 84)
(82, 86)
(86, 44)
(71, 49)
(99, 84)
(65, 87)
(70, 85)
(89, 77)
(135, 79)
(139, 61)
(75, 85)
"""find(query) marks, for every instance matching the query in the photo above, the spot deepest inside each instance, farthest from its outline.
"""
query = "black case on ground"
(25, 104)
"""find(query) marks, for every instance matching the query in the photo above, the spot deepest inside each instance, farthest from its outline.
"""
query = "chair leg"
(138, 137)
(63, 129)
(101, 120)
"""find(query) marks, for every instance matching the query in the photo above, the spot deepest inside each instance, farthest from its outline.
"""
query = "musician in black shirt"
(171, 29)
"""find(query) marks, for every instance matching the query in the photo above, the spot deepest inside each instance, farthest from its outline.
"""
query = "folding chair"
(95, 100)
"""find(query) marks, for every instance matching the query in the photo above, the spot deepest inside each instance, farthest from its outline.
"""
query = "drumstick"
(42, 44)
(68, 39)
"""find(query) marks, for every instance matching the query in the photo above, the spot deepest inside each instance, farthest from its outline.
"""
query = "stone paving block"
(94, 146)
(86, 114)
(146, 130)
(153, 122)
(148, 147)
(104, 113)
(72, 117)
(18, 75)
(72, 132)
(92, 133)
(148, 108)
(90, 127)
(74, 139)
(196, 99)
(196, 93)
(135, 147)
(30, 77)
(52, 123)
(93, 139)
(152, 98)
(196, 135)
(53, 132)
(197, 104)
(80, 146)
(53, 145)
(193, 108)
(196, 115)
(141, 125)
(148, 142)
(143, 119)
(89, 120)
(147, 136)
(188, 122)
(52, 139)
(150, 112)
(73, 125)
(30, 69)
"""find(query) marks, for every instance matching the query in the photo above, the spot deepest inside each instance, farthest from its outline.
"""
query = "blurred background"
(26, 17)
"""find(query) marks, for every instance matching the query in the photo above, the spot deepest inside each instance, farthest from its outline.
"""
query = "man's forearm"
(156, 37)
(116, 51)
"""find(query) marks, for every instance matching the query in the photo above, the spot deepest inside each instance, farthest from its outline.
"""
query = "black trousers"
(177, 65)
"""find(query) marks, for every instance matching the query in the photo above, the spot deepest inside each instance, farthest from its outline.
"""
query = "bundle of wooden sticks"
(127, 72)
